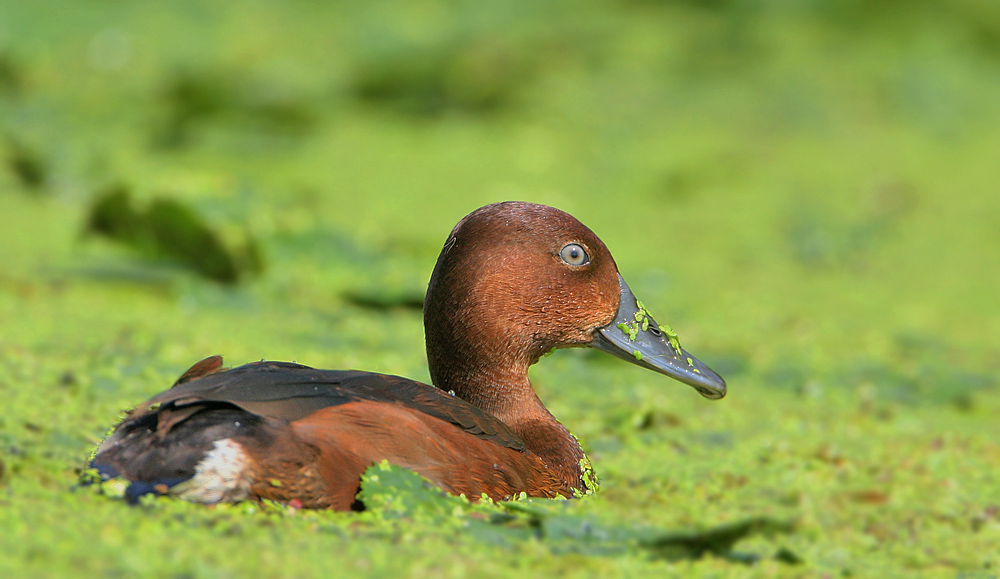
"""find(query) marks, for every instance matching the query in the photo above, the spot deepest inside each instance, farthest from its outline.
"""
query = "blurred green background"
(806, 191)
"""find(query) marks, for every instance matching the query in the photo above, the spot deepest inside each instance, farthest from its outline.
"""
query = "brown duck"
(514, 281)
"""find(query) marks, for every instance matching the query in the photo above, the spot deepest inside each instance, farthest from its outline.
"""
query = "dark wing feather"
(288, 392)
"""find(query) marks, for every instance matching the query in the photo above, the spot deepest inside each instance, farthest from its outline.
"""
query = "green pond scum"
(809, 191)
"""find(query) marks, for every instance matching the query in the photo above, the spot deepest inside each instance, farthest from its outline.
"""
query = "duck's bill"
(635, 337)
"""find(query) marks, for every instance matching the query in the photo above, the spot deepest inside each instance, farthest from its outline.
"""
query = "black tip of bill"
(635, 337)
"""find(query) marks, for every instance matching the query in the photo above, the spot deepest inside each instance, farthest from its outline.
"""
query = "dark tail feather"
(153, 460)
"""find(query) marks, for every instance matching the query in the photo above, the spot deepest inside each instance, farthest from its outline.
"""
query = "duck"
(513, 282)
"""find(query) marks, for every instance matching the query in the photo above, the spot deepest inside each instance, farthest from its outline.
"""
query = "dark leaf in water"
(786, 556)
(27, 165)
(181, 234)
(113, 215)
(11, 82)
(393, 492)
(396, 492)
(718, 541)
(385, 300)
(170, 229)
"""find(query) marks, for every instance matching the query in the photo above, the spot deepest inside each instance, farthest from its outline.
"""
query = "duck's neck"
(483, 332)
(504, 391)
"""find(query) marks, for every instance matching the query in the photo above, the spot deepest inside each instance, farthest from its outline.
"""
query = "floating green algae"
(590, 481)
(392, 493)
(794, 207)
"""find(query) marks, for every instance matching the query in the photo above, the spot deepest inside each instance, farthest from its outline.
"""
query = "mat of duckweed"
(807, 195)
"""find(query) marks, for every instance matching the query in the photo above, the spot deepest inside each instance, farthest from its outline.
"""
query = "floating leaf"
(27, 165)
(170, 229)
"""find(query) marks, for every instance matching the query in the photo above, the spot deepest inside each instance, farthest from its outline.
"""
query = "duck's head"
(516, 280)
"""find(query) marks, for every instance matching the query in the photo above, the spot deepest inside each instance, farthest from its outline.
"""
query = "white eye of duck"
(574, 255)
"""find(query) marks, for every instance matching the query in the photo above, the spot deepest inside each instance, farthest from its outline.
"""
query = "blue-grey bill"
(651, 348)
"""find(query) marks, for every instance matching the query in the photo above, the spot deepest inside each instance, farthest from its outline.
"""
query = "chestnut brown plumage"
(513, 281)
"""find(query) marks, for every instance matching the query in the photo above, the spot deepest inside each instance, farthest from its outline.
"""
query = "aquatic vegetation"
(806, 190)
(170, 229)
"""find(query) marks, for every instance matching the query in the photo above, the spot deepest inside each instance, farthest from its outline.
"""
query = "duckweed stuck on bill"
(641, 320)
(629, 330)
(672, 337)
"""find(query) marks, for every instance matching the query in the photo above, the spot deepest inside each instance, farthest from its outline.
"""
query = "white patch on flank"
(220, 476)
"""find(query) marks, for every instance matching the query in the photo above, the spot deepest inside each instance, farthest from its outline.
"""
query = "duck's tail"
(192, 452)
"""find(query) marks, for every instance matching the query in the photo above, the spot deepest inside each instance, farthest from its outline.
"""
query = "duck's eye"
(574, 254)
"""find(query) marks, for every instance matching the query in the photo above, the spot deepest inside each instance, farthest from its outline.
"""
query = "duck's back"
(289, 432)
